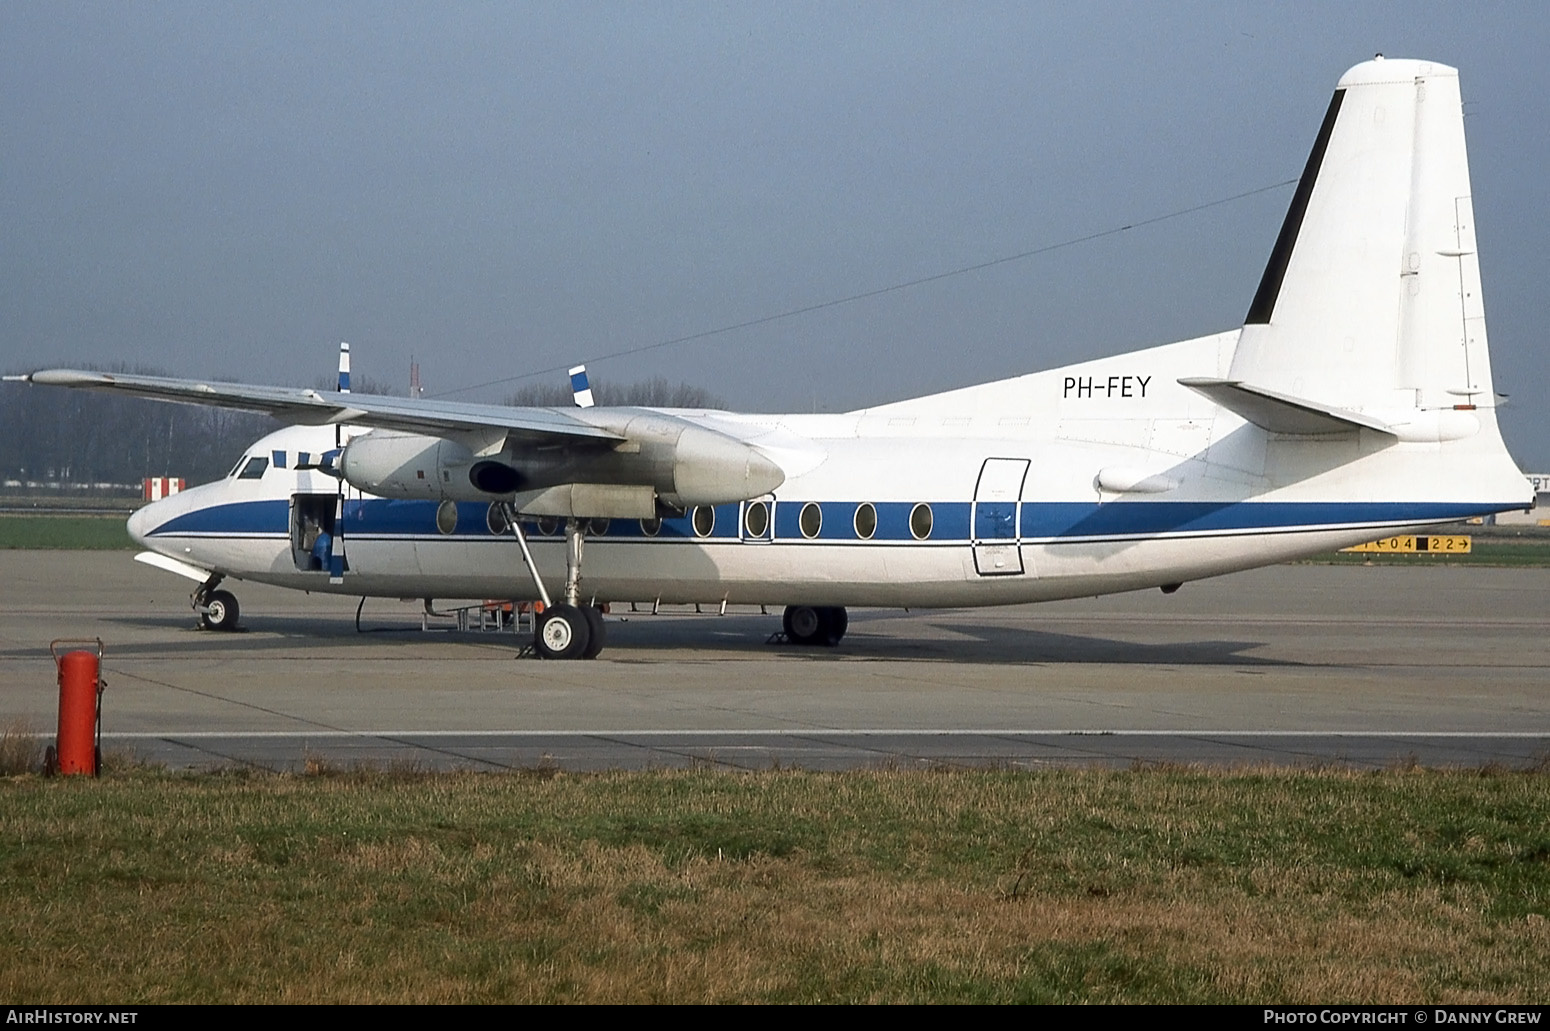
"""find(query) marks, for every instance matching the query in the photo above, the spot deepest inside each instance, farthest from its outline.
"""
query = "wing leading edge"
(326, 407)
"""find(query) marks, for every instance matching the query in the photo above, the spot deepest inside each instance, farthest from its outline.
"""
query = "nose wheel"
(217, 609)
(815, 624)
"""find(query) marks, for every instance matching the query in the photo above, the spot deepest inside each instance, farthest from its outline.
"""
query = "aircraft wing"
(327, 407)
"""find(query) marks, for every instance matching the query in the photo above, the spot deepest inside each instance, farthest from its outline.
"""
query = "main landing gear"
(815, 624)
(217, 609)
(569, 630)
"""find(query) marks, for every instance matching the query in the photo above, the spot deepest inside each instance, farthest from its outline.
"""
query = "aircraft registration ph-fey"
(1355, 401)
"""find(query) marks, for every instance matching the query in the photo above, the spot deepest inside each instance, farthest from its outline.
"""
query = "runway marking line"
(789, 732)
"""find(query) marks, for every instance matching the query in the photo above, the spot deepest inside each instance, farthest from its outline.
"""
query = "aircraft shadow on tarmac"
(891, 638)
(645, 638)
(1030, 645)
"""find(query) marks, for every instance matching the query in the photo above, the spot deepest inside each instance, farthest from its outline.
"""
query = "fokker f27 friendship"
(1356, 400)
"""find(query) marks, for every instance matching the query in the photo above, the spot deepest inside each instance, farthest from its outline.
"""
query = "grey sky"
(495, 189)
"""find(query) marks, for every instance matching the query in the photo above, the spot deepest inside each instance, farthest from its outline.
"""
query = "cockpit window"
(234, 468)
(254, 469)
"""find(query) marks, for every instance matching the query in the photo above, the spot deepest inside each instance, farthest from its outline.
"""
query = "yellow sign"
(1412, 544)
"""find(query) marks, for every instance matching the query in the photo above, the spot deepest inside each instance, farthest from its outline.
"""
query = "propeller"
(580, 388)
(325, 465)
(336, 553)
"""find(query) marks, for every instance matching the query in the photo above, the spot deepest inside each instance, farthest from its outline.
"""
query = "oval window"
(704, 520)
(598, 527)
(756, 519)
(548, 526)
(866, 521)
(920, 521)
(811, 520)
(651, 527)
(446, 516)
(495, 519)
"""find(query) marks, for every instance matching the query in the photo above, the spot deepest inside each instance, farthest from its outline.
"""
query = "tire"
(835, 623)
(563, 632)
(597, 635)
(222, 614)
(803, 624)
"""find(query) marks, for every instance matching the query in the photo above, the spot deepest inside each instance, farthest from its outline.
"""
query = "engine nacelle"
(408, 465)
(680, 463)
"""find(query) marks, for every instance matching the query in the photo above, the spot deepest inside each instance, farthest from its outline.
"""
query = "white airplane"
(1355, 401)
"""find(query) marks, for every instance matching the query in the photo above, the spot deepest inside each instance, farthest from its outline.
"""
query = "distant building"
(158, 487)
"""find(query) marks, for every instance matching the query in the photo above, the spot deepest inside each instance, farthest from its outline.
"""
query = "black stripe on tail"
(1270, 284)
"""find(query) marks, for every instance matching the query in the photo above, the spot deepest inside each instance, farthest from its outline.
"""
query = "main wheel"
(803, 624)
(563, 633)
(597, 635)
(220, 611)
(835, 623)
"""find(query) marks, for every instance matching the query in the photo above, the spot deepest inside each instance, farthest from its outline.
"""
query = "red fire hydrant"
(78, 746)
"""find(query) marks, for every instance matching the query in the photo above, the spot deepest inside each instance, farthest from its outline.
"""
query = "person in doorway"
(322, 549)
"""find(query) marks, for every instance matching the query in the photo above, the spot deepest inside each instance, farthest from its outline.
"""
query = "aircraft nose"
(139, 525)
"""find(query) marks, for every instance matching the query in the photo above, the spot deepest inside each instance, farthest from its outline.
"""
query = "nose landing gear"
(217, 609)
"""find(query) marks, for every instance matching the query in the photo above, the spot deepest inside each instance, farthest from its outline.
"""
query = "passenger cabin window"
(811, 519)
(920, 521)
(756, 519)
(254, 470)
(866, 520)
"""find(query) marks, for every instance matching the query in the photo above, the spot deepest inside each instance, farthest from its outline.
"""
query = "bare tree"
(651, 393)
(79, 437)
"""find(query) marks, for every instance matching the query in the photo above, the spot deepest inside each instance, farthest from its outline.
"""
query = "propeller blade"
(580, 388)
(336, 553)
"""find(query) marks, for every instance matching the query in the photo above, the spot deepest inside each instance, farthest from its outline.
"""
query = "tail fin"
(1371, 300)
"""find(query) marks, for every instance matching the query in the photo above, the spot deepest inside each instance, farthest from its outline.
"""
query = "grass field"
(1166, 885)
(67, 532)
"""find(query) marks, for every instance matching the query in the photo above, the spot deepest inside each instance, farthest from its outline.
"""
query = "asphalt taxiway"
(1292, 665)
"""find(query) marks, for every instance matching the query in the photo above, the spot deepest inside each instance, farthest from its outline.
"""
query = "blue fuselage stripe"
(950, 519)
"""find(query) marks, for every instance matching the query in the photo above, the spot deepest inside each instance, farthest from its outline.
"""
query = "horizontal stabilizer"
(1281, 413)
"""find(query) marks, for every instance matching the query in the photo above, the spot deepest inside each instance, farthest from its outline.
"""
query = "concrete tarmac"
(1292, 665)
